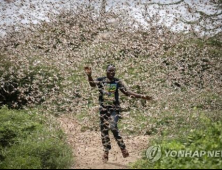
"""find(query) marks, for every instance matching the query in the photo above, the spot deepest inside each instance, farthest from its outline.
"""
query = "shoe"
(105, 157)
(125, 153)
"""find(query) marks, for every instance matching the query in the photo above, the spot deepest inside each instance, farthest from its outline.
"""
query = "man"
(109, 87)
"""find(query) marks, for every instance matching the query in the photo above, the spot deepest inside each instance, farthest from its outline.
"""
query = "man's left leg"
(114, 128)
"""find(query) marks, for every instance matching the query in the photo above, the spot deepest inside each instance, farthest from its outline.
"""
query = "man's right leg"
(105, 135)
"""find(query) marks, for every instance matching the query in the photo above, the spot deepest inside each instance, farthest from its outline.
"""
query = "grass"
(27, 142)
(198, 140)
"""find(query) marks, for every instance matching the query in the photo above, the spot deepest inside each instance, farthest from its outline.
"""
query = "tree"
(200, 17)
(103, 7)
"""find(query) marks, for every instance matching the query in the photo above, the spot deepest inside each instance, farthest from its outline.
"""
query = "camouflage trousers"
(109, 118)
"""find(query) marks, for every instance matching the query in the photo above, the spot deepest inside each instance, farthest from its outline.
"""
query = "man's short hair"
(110, 65)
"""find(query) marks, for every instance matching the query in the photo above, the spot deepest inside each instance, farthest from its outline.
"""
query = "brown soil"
(88, 150)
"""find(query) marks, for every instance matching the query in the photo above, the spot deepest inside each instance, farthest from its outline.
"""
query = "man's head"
(111, 71)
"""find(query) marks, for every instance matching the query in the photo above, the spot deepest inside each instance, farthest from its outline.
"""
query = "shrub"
(26, 84)
(27, 143)
(208, 139)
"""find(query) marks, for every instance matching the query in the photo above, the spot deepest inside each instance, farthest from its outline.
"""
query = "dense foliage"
(27, 142)
(201, 150)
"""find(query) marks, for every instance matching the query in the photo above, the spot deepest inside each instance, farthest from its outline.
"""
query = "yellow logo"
(112, 88)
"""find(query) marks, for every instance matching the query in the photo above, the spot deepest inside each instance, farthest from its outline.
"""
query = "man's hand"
(147, 98)
(88, 71)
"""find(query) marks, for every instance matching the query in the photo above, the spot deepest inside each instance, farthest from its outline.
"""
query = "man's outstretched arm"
(131, 94)
(88, 72)
(135, 95)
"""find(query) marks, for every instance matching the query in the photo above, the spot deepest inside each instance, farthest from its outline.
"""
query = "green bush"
(27, 143)
(208, 140)
(26, 84)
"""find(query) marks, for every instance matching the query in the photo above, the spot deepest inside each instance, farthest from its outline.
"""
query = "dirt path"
(88, 148)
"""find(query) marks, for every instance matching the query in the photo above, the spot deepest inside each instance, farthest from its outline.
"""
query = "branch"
(173, 3)
(209, 15)
(191, 22)
(211, 29)
(197, 22)
(103, 7)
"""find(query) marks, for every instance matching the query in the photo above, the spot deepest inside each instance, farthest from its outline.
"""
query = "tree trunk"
(103, 7)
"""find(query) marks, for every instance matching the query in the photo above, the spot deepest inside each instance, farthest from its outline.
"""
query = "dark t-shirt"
(109, 91)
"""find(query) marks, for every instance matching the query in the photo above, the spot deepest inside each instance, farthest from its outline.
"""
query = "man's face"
(111, 71)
